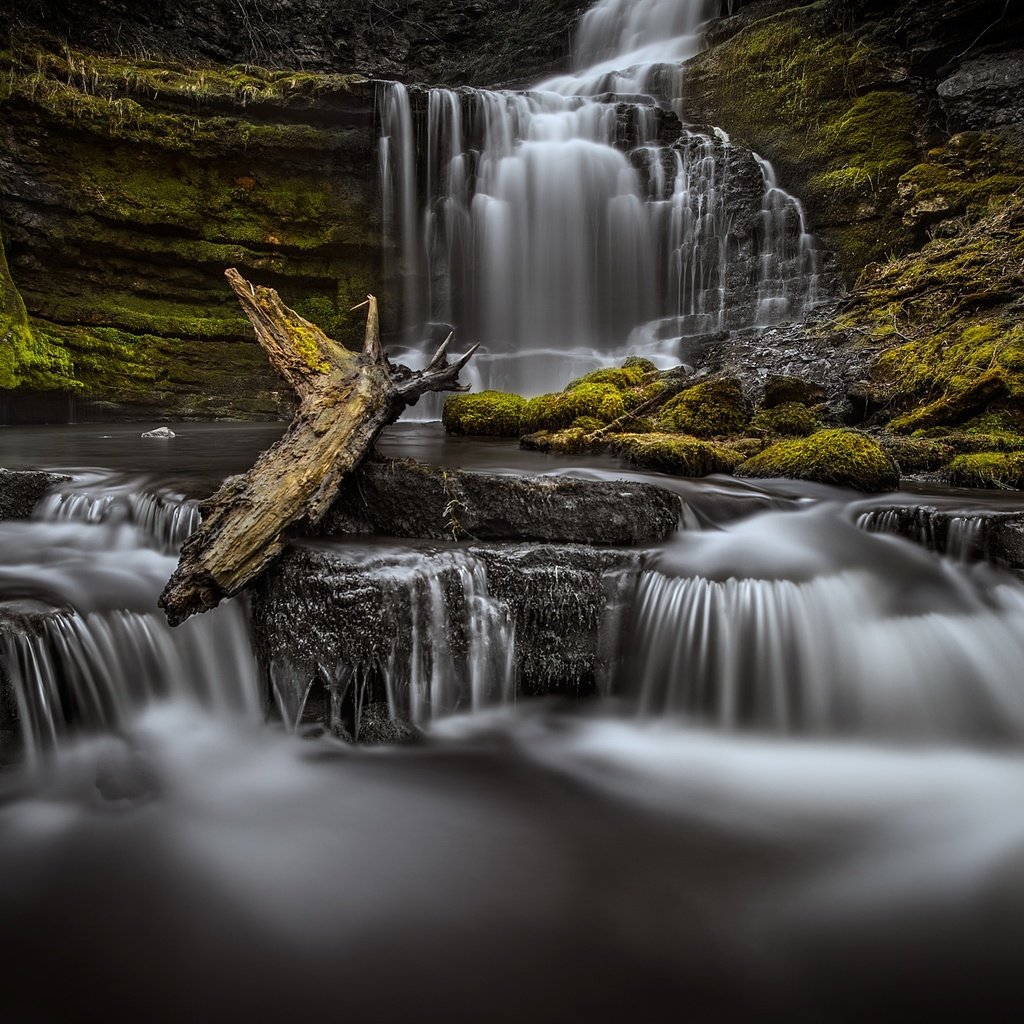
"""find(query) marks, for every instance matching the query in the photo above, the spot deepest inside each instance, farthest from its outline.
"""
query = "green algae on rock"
(712, 408)
(484, 414)
(845, 458)
(675, 453)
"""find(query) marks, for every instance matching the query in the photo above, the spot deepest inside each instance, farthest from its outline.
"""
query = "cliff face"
(848, 99)
(126, 189)
(140, 157)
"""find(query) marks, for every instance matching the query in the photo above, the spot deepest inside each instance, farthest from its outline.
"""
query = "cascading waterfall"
(448, 647)
(165, 517)
(860, 637)
(562, 226)
(84, 646)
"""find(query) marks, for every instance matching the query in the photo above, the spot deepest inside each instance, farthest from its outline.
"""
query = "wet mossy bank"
(127, 187)
(695, 424)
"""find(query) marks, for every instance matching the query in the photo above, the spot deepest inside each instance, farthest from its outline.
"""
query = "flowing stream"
(798, 797)
(794, 796)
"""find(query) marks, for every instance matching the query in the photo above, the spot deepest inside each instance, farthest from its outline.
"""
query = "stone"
(20, 491)
(160, 432)
(408, 499)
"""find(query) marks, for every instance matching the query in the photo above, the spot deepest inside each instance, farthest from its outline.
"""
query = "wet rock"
(20, 491)
(782, 390)
(376, 727)
(160, 432)
(343, 619)
(409, 499)
(987, 92)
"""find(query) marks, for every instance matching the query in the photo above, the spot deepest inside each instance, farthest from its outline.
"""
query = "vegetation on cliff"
(149, 178)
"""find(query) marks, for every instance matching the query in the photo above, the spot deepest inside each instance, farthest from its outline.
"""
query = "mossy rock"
(789, 419)
(713, 408)
(675, 453)
(918, 454)
(841, 457)
(571, 441)
(786, 390)
(554, 412)
(965, 397)
(1003, 470)
(485, 414)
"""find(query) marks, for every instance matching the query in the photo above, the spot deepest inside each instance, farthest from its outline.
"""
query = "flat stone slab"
(404, 498)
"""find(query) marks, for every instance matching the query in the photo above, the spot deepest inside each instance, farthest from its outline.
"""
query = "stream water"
(800, 800)
(797, 796)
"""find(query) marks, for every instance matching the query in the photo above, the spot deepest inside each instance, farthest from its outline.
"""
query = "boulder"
(403, 498)
(21, 490)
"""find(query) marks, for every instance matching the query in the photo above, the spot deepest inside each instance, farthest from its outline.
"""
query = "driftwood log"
(346, 399)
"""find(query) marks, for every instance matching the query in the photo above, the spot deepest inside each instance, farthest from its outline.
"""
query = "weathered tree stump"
(346, 399)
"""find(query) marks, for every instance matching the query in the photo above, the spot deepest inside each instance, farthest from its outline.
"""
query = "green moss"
(571, 441)
(674, 453)
(813, 98)
(841, 457)
(488, 413)
(27, 358)
(713, 408)
(556, 411)
(645, 366)
(790, 418)
(917, 454)
(1003, 470)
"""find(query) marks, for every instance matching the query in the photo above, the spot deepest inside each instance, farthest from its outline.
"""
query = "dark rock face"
(20, 491)
(480, 42)
(409, 499)
(338, 621)
(987, 92)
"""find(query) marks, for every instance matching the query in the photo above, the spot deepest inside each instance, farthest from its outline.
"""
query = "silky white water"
(798, 799)
(568, 225)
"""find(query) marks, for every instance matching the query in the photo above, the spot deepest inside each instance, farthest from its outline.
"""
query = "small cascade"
(798, 623)
(962, 536)
(92, 672)
(788, 255)
(443, 645)
(166, 518)
(821, 658)
(552, 225)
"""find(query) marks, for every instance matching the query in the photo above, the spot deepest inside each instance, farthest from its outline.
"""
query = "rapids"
(797, 799)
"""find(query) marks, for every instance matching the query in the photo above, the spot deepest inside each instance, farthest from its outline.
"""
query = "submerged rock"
(409, 499)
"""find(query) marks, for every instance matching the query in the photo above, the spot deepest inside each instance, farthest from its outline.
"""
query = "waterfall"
(165, 517)
(554, 225)
(447, 645)
(862, 636)
(73, 673)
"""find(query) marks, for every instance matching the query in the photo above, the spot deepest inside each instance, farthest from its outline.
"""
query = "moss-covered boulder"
(918, 454)
(712, 408)
(845, 458)
(674, 453)
(788, 419)
(484, 414)
(784, 390)
(1003, 470)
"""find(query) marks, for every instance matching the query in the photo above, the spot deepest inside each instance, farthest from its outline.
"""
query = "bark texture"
(346, 399)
